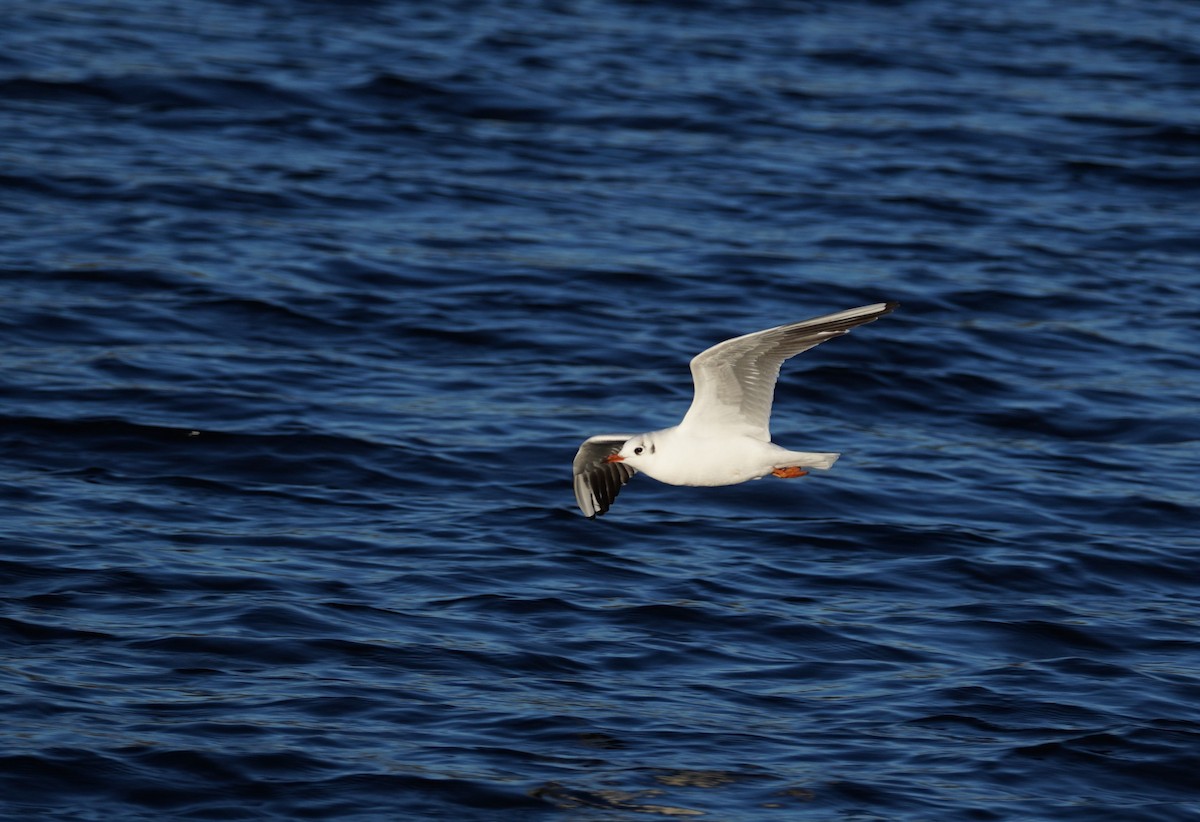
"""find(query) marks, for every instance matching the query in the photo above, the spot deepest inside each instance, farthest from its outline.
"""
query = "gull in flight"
(725, 436)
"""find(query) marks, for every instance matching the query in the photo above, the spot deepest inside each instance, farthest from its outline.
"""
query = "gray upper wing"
(597, 482)
(735, 379)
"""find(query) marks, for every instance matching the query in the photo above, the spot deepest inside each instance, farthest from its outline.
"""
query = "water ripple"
(308, 305)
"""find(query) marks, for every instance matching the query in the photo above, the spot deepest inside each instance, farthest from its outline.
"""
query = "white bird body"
(725, 437)
(678, 457)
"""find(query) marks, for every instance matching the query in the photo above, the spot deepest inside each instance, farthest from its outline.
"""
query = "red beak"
(614, 458)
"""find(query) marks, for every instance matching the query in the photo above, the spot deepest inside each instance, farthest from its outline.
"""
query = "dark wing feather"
(597, 482)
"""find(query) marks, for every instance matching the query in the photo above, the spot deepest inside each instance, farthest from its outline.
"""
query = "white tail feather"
(805, 459)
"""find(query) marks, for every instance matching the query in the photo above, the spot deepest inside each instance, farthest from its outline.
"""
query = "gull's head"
(635, 452)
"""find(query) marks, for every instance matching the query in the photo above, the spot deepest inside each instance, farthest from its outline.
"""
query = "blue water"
(305, 307)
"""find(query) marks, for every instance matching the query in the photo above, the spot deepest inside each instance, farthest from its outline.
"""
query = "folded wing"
(735, 380)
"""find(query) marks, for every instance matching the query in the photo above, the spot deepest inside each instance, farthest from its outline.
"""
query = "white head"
(636, 451)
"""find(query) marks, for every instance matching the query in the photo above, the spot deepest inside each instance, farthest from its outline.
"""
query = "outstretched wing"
(735, 380)
(597, 482)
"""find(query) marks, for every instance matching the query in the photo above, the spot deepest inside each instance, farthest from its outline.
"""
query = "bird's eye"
(638, 450)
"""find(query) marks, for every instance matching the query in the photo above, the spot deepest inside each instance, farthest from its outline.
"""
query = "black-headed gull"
(725, 436)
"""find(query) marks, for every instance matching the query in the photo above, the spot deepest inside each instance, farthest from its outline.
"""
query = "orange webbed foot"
(789, 472)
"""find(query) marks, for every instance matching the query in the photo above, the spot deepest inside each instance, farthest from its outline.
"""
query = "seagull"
(725, 437)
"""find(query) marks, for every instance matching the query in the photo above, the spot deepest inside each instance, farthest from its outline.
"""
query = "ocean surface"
(305, 307)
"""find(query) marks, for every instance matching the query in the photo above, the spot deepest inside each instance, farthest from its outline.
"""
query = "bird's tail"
(806, 459)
